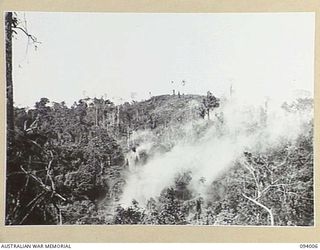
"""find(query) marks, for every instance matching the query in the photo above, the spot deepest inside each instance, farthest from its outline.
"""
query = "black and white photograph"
(159, 119)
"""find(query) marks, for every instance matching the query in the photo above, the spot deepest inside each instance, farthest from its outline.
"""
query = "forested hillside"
(171, 159)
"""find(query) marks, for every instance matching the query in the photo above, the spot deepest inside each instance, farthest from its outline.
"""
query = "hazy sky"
(116, 54)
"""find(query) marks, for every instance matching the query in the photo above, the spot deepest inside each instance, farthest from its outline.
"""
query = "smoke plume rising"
(210, 147)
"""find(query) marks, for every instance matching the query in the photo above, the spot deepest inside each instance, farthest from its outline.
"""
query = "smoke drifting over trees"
(173, 159)
(160, 162)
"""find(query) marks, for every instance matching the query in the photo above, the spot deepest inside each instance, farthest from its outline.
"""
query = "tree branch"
(251, 170)
(34, 39)
(48, 171)
(262, 206)
(45, 187)
(31, 209)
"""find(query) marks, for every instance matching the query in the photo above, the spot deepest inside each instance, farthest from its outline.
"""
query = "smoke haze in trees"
(237, 126)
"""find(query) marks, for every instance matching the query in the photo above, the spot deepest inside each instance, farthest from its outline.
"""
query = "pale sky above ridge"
(120, 55)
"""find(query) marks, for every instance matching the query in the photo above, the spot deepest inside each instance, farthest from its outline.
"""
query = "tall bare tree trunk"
(96, 115)
(118, 116)
(10, 114)
(104, 119)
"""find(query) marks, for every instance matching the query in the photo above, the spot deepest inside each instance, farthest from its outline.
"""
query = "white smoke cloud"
(245, 126)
